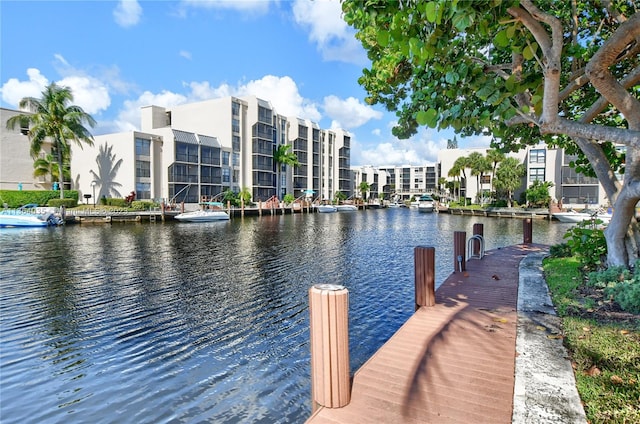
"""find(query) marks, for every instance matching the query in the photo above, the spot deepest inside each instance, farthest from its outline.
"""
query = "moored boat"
(426, 203)
(346, 208)
(326, 208)
(202, 216)
(29, 216)
(576, 217)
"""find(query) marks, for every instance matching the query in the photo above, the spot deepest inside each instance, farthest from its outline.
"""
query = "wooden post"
(478, 230)
(329, 329)
(424, 262)
(259, 207)
(459, 251)
(527, 231)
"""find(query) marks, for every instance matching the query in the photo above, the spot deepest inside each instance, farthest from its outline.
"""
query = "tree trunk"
(60, 173)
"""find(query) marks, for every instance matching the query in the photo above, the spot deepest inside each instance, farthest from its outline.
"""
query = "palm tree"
(46, 166)
(282, 156)
(479, 165)
(454, 172)
(53, 119)
(494, 157)
(462, 163)
(364, 188)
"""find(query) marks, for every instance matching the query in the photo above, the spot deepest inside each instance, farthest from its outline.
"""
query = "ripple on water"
(202, 323)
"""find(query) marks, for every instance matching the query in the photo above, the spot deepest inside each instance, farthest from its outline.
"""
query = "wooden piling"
(478, 230)
(329, 329)
(424, 263)
(527, 230)
(459, 251)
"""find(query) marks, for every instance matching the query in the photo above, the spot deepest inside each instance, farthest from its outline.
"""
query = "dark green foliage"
(537, 194)
(121, 203)
(620, 284)
(560, 251)
(587, 242)
(17, 198)
(66, 202)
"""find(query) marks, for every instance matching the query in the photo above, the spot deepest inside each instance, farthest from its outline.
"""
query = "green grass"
(605, 354)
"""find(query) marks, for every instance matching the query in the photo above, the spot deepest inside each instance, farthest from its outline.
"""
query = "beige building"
(16, 163)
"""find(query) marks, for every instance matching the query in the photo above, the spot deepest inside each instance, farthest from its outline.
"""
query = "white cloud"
(127, 13)
(15, 90)
(89, 93)
(334, 38)
(185, 54)
(418, 150)
(129, 116)
(349, 113)
(377, 132)
(283, 94)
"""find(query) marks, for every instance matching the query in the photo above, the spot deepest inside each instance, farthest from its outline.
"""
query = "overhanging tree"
(566, 73)
(52, 118)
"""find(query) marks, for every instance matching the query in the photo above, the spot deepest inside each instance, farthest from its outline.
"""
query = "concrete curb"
(545, 388)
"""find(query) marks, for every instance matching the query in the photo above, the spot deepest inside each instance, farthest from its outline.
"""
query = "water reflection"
(182, 322)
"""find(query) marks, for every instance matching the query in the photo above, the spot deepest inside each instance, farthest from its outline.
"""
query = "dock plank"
(450, 363)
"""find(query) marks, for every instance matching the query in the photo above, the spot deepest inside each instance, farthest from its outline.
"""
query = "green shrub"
(17, 198)
(120, 203)
(67, 203)
(288, 198)
(588, 243)
(143, 205)
(620, 285)
(561, 250)
(626, 294)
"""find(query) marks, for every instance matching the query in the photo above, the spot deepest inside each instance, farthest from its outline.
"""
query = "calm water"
(191, 323)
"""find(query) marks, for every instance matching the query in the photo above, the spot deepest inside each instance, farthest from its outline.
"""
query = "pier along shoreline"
(485, 353)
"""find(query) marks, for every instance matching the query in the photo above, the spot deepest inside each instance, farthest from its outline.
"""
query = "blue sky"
(119, 56)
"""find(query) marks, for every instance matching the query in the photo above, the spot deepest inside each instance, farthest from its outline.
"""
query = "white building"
(196, 150)
(542, 163)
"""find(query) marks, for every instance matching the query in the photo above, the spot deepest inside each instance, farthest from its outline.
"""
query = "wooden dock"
(450, 363)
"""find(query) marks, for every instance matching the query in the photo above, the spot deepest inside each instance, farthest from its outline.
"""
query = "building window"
(537, 156)
(186, 152)
(143, 169)
(143, 190)
(143, 147)
(235, 159)
(225, 158)
(226, 175)
(235, 125)
(536, 174)
(581, 195)
(235, 109)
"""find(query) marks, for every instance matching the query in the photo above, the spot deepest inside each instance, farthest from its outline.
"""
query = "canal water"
(203, 322)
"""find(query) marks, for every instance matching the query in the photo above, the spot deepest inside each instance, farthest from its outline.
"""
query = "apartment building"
(541, 163)
(16, 163)
(202, 149)
(397, 182)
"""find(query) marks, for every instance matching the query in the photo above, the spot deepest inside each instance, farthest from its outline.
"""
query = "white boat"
(394, 205)
(575, 217)
(203, 216)
(426, 203)
(346, 208)
(326, 208)
(29, 216)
